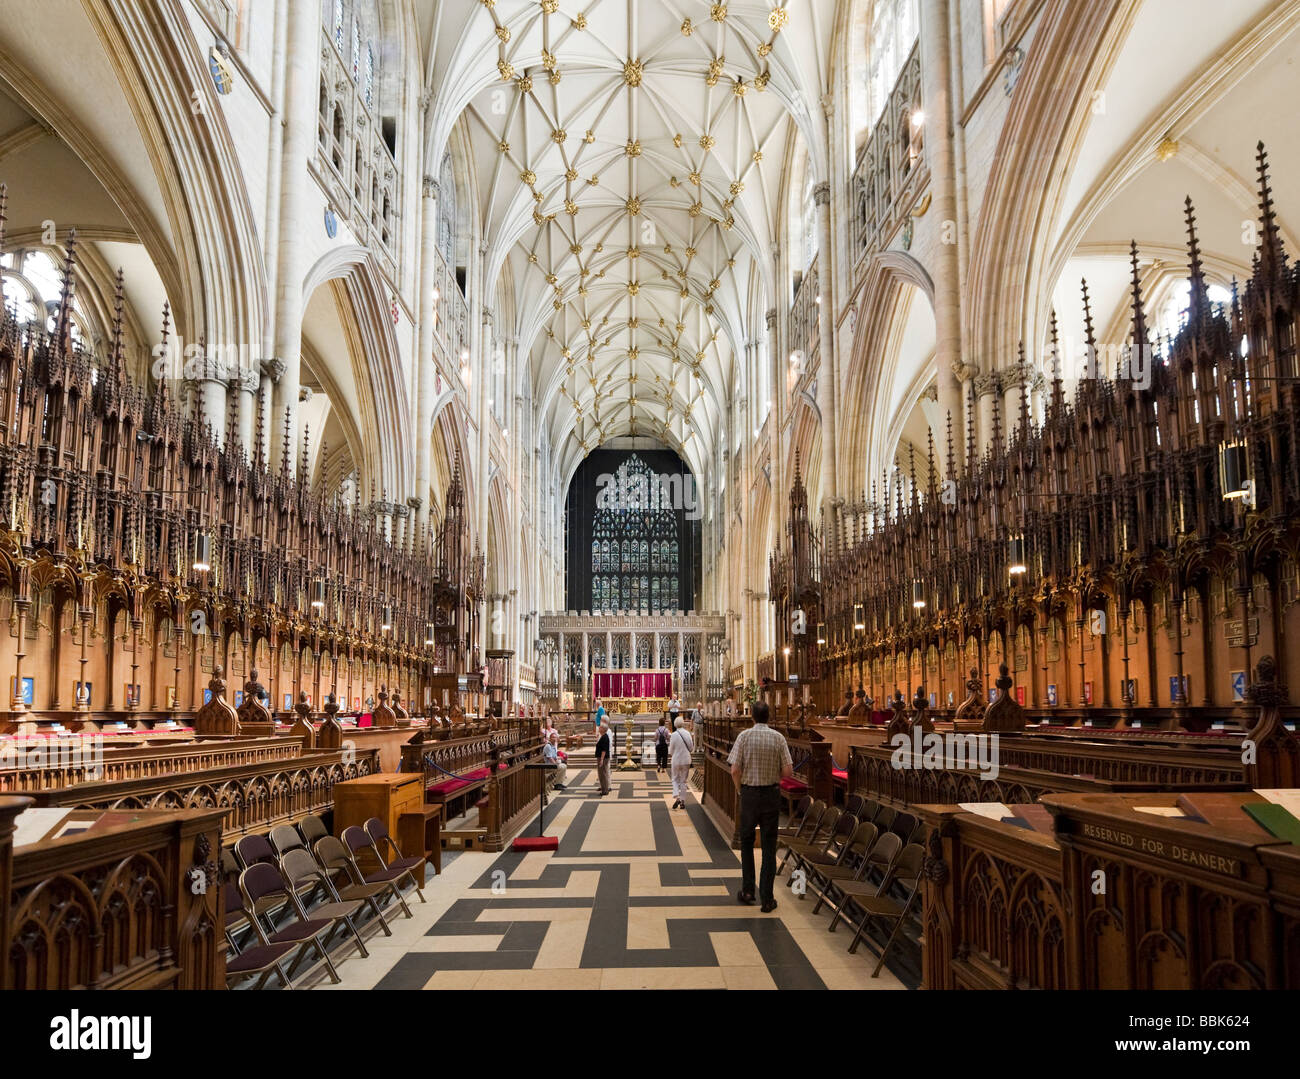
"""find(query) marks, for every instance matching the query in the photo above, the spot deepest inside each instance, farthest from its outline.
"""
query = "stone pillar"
(986, 386)
(827, 378)
(936, 99)
(780, 495)
(563, 673)
(247, 383)
(301, 92)
(271, 370)
(210, 406)
(679, 677)
(586, 661)
(427, 306)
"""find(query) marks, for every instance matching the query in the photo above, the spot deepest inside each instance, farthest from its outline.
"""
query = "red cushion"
(478, 773)
(447, 786)
(793, 784)
(535, 842)
(840, 773)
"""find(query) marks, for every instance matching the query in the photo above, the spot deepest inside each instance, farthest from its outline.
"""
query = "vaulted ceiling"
(627, 158)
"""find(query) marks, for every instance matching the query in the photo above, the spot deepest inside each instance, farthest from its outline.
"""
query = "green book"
(1279, 821)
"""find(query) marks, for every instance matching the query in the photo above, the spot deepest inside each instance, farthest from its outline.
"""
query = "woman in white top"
(680, 747)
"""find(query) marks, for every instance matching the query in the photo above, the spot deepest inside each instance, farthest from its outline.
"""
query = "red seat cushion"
(793, 784)
(535, 842)
(840, 773)
(447, 786)
(477, 774)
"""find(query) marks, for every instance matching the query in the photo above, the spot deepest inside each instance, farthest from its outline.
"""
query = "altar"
(630, 691)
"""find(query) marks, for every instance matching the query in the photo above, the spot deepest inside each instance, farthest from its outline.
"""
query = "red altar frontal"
(632, 685)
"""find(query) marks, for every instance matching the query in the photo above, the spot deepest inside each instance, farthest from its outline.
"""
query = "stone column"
(986, 386)
(301, 91)
(247, 383)
(586, 660)
(210, 400)
(427, 306)
(936, 83)
(272, 370)
(827, 380)
(780, 496)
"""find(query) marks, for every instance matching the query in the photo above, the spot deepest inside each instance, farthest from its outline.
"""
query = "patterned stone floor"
(637, 896)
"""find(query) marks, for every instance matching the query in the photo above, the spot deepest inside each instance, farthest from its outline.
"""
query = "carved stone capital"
(429, 188)
(247, 380)
(822, 194)
(304, 394)
(987, 383)
(274, 368)
(964, 371)
(771, 318)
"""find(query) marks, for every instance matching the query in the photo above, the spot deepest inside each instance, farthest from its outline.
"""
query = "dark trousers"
(661, 754)
(760, 807)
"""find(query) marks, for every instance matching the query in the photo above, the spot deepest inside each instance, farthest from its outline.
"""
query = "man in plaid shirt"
(759, 760)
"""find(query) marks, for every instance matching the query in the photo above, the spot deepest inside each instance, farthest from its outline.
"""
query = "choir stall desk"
(397, 799)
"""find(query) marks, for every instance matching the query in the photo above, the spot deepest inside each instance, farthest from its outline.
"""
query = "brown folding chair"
(797, 818)
(821, 835)
(358, 839)
(884, 820)
(834, 850)
(821, 875)
(257, 959)
(262, 881)
(905, 826)
(313, 829)
(854, 804)
(336, 858)
(299, 868)
(906, 873)
(285, 837)
(878, 859)
(383, 842)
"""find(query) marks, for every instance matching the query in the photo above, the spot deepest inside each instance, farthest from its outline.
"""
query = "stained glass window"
(338, 24)
(356, 49)
(370, 76)
(636, 525)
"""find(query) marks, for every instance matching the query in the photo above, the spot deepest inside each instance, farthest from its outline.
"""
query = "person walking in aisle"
(602, 759)
(759, 760)
(661, 748)
(682, 746)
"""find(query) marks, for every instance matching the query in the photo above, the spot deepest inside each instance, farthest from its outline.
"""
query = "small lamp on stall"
(202, 552)
(1016, 556)
(1234, 473)
(918, 594)
(859, 621)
